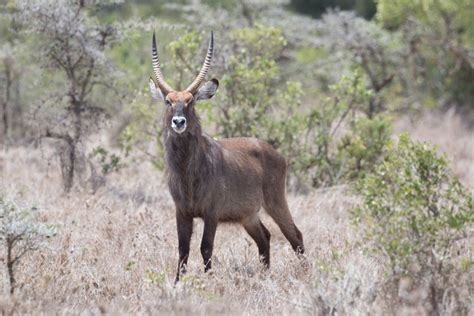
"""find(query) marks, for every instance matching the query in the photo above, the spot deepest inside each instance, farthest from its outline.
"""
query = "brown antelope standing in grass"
(226, 180)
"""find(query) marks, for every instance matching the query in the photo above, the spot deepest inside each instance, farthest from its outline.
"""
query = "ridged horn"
(164, 87)
(205, 67)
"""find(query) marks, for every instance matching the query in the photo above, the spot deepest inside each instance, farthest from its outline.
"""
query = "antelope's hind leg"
(185, 230)
(277, 207)
(261, 235)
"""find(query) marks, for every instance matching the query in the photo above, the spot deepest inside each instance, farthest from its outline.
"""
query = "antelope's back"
(252, 152)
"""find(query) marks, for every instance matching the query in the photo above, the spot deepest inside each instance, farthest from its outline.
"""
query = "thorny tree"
(19, 235)
(73, 44)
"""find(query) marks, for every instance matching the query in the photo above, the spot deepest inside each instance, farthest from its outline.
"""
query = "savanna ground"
(115, 251)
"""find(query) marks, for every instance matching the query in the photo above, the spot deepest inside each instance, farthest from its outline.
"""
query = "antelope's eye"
(167, 102)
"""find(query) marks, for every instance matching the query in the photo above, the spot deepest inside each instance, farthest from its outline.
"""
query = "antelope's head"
(180, 114)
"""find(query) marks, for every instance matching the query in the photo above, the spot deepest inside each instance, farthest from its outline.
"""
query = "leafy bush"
(342, 142)
(438, 40)
(251, 83)
(415, 212)
(19, 235)
(362, 147)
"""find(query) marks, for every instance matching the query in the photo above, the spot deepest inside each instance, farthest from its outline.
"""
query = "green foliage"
(251, 89)
(361, 149)
(394, 14)
(466, 264)
(307, 55)
(153, 277)
(108, 162)
(414, 210)
(195, 283)
(438, 37)
(130, 265)
(342, 142)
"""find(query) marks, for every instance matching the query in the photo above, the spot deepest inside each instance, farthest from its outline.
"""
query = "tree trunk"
(5, 122)
(67, 160)
(434, 298)
(6, 100)
(69, 154)
(372, 108)
(17, 125)
(10, 262)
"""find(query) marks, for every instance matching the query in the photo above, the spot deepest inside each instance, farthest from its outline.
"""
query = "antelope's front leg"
(185, 230)
(207, 244)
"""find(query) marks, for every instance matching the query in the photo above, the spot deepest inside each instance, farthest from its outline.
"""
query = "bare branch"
(52, 134)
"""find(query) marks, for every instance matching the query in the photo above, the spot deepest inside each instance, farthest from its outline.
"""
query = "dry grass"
(116, 250)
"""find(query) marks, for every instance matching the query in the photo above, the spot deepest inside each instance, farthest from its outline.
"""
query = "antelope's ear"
(155, 92)
(208, 90)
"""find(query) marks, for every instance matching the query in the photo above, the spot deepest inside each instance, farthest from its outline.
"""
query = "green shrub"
(253, 100)
(415, 212)
(438, 38)
(342, 141)
(107, 161)
(362, 147)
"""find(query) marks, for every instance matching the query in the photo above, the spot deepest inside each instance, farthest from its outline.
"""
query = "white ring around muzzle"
(178, 124)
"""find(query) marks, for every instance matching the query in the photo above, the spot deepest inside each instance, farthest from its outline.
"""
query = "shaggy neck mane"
(183, 150)
(189, 160)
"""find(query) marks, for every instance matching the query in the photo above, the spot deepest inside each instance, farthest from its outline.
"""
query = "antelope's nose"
(178, 121)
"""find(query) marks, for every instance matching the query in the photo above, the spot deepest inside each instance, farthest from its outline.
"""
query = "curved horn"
(205, 67)
(164, 87)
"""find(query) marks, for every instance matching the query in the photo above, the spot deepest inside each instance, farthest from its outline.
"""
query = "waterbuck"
(225, 180)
